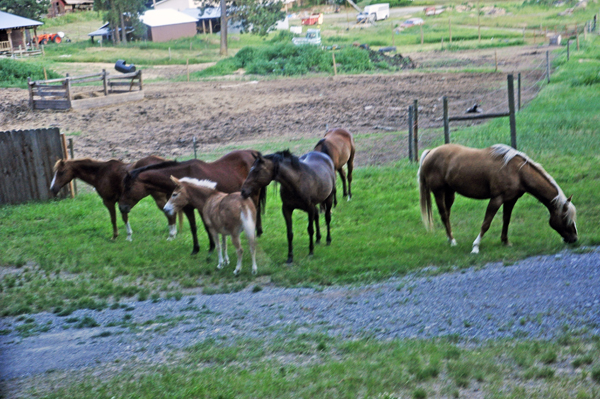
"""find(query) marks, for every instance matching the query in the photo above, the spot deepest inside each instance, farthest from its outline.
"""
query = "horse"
(306, 182)
(498, 173)
(339, 145)
(225, 214)
(229, 172)
(107, 179)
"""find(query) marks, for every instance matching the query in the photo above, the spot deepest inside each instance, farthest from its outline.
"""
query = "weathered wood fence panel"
(26, 161)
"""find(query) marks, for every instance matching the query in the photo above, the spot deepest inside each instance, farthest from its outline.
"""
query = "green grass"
(65, 259)
(14, 73)
(314, 365)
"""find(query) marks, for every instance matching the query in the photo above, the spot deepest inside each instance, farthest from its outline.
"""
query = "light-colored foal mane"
(508, 153)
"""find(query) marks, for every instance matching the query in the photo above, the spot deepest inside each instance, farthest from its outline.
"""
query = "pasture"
(58, 257)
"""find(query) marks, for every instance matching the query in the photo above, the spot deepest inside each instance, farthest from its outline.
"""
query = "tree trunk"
(123, 30)
(223, 28)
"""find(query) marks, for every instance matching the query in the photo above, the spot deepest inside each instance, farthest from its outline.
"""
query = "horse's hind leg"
(311, 231)
(287, 215)
(343, 178)
(235, 239)
(350, 166)
(328, 218)
(490, 212)
(224, 246)
(317, 227)
(507, 209)
(444, 201)
(248, 225)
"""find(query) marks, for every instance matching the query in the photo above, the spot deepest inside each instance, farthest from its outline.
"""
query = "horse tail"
(180, 217)
(425, 196)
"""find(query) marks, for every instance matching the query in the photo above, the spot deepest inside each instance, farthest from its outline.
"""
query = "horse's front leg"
(189, 212)
(507, 209)
(113, 216)
(287, 215)
(311, 231)
(490, 212)
(235, 239)
(328, 203)
(350, 166)
(224, 246)
(161, 200)
(258, 206)
(125, 217)
(317, 227)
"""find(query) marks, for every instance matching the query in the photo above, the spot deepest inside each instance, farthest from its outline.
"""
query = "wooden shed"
(61, 7)
(13, 33)
(168, 24)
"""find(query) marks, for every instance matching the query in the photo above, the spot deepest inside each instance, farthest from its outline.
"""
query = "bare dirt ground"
(239, 111)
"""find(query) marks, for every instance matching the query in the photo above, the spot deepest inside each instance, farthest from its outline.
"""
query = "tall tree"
(33, 9)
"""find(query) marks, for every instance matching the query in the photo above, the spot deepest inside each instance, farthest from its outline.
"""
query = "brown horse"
(499, 173)
(107, 179)
(339, 145)
(305, 183)
(229, 172)
(225, 214)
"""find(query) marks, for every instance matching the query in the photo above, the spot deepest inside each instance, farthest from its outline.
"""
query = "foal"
(107, 179)
(225, 214)
(339, 145)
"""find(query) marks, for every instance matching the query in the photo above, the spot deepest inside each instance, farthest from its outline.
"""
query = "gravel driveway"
(534, 298)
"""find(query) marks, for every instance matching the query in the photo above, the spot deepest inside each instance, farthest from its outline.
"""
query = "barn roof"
(11, 21)
(165, 17)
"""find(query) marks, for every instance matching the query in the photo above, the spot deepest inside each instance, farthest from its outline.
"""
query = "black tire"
(44, 41)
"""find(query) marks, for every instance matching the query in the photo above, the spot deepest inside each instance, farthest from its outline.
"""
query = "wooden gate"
(27, 158)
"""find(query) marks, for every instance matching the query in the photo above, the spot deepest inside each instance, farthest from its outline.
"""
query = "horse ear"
(175, 180)
(570, 198)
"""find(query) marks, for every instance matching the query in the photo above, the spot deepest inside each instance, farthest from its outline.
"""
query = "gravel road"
(534, 298)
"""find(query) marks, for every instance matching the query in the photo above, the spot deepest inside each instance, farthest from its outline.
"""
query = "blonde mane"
(508, 153)
(199, 183)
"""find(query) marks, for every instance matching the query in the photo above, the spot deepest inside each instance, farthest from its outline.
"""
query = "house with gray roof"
(15, 35)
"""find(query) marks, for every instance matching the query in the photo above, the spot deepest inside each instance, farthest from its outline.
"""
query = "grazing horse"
(229, 172)
(499, 173)
(305, 183)
(339, 145)
(107, 179)
(225, 214)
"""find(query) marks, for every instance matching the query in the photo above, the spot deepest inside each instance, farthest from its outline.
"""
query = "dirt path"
(535, 298)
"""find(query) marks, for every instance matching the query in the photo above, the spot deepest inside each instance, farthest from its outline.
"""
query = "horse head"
(63, 173)
(133, 192)
(262, 172)
(179, 198)
(562, 219)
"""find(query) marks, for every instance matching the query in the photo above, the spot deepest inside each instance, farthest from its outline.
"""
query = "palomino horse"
(305, 183)
(225, 214)
(339, 145)
(229, 172)
(107, 179)
(499, 173)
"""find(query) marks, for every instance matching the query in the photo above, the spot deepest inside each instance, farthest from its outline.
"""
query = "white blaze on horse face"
(169, 208)
(476, 244)
(53, 181)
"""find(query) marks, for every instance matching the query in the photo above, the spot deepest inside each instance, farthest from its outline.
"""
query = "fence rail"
(27, 159)
(58, 93)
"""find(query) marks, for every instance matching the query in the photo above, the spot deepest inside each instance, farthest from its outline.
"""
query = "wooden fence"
(27, 159)
(58, 93)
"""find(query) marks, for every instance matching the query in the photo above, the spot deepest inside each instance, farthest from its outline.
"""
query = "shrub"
(15, 73)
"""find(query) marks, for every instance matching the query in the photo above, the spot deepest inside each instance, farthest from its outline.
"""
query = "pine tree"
(32, 9)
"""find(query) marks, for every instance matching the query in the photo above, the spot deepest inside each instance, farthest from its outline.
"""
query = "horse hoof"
(475, 250)
(129, 238)
(170, 238)
(453, 243)
(254, 272)
(220, 266)
(195, 250)
(289, 261)
(236, 272)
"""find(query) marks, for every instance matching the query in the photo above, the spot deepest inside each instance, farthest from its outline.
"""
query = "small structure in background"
(430, 11)
(313, 36)
(314, 19)
(15, 35)
(61, 7)
(168, 24)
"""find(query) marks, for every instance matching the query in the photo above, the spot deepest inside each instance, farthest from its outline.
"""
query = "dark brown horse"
(225, 214)
(499, 173)
(306, 182)
(107, 179)
(229, 172)
(339, 145)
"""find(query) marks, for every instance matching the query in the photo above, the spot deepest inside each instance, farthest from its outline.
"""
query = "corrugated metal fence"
(26, 161)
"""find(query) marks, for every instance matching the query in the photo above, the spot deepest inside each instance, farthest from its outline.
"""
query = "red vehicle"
(49, 37)
(313, 19)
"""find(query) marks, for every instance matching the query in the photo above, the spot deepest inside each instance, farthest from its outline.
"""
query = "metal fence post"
(195, 147)
(416, 129)
(410, 133)
(548, 66)
(511, 110)
(446, 121)
(519, 91)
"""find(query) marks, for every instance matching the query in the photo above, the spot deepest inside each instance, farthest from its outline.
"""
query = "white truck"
(313, 36)
(374, 12)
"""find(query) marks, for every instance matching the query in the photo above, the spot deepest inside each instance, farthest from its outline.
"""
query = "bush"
(15, 73)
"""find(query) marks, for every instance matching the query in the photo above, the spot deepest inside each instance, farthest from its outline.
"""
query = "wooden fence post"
(105, 81)
(446, 121)
(450, 31)
(195, 147)
(421, 26)
(334, 66)
(410, 133)
(416, 129)
(187, 67)
(71, 153)
(68, 90)
(30, 89)
(519, 91)
(511, 111)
